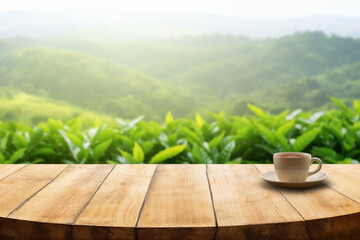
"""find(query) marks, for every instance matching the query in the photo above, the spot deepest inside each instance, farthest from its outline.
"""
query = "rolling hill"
(185, 75)
(91, 83)
(311, 93)
(229, 64)
(25, 108)
(225, 64)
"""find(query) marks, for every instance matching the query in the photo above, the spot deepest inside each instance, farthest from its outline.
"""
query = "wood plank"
(344, 178)
(62, 200)
(21, 185)
(178, 205)
(7, 169)
(116, 204)
(13, 229)
(15, 190)
(328, 214)
(246, 208)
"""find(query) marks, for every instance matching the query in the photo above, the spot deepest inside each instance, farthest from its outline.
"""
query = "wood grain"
(14, 229)
(344, 178)
(241, 199)
(7, 169)
(61, 201)
(319, 204)
(178, 198)
(15, 190)
(116, 204)
(173, 202)
(21, 185)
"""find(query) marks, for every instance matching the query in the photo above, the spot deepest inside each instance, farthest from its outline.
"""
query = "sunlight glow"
(246, 8)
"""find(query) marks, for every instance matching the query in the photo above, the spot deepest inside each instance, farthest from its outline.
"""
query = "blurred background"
(180, 81)
(123, 59)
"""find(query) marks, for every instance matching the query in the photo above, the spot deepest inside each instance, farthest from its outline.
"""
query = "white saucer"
(271, 178)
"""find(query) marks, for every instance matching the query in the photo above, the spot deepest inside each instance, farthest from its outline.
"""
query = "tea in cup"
(294, 166)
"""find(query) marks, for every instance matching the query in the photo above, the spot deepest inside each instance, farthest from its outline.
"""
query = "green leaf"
(73, 148)
(305, 139)
(249, 162)
(356, 126)
(267, 148)
(216, 140)
(4, 141)
(34, 141)
(36, 161)
(103, 134)
(221, 121)
(285, 128)
(167, 154)
(334, 131)
(147, 146)
(19, 141)
(100, 149)
(75, 139)
(55, 125)
(205, 157)
(283, 142)
(293, 114)
(356, 105)
(235, 161)
(225, 153)
(42, 151)
(326, 153)
(349, 111)
(83, 156)
(349, 141)
(257, 111)
(190, 135)
(76, 125)
(138, 153)
(127, 141)
(280, 118)
(126, 155)
(136, 121)
(345, 161)
(17, 155)
(266, 134)
(172, 138)
(66, 161)
(169, 118)
(2, 159)
(200, 122)
(196, 153)
(111, 162)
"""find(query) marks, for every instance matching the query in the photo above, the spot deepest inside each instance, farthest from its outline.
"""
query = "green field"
(29, 109)
(62, 100)
(333, 136)
(186, 75)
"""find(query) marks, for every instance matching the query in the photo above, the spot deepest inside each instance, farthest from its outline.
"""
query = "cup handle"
(318, 168)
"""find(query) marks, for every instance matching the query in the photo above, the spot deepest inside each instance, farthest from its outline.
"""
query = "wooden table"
(150, 202)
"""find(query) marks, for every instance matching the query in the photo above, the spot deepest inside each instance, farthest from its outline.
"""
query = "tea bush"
(334, 136)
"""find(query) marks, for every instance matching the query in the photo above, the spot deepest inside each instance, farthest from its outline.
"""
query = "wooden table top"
(149, 202)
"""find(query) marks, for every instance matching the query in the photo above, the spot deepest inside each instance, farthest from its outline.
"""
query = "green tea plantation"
(332, 135)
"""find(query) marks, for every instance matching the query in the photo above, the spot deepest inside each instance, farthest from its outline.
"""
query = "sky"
(244, 8)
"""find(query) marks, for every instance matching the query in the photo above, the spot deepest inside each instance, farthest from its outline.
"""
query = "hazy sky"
(248, 8)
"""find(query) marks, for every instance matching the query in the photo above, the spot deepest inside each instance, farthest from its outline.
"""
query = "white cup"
(294, 166)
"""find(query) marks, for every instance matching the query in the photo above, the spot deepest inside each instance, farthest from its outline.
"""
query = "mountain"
(310, 93)
(276, 62)
(93, 83)
(185, 75)
(22, 107)
(224, 65)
